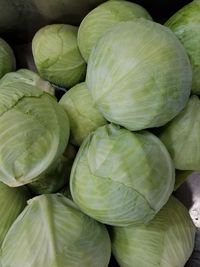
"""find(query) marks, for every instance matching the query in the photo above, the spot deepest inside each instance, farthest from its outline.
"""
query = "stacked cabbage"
(125, 75)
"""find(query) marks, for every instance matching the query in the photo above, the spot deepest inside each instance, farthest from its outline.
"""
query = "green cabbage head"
(84, 117)
(56, 55)
(186, 26)
(53, 232)
(121, 177)
(139, 75)
(167, 241)
(104, 17)
(181, 137)
(12, 202)
(34, 132)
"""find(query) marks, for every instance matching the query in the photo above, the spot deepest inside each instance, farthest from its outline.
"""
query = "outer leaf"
(181, 137)
(167, 241)
(52, 232)
(34, 132)
(27, 76)
(139, 75)
(102, 18)
(12, 202)
(83, 115)
(56, 55)
(120, 177)
(186, 26)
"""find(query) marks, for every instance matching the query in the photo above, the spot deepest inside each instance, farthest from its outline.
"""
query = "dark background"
(20, 19)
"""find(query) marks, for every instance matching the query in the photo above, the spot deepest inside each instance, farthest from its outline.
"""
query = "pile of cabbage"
(94, 172)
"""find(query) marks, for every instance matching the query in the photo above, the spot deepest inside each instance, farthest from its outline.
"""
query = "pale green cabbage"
(53, 232)
(83, 116)
(167, 241)
(186, 26)
(56, 55)
(12, 202)
(102, 18)
(120, 177)
(34, 132)
(139, 75)
(30, 77)
(7, 58)
(181, 137)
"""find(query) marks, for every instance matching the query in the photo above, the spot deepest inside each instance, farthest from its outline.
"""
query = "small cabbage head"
(181, 137)
(12, 202)
(83, 116)
(186, 26)
(102, 18)
(167, 241)
(34, 132)
(139, 75)
(121, 177)
(56, 55)
(7, 58)
(29, 77)
(52, 231)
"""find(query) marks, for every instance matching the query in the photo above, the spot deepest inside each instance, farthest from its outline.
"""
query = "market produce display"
(94, 170)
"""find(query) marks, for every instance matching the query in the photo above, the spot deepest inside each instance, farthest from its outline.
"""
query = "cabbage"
(56, 55)
(56, 176)
(181, 137)
(120, 177)
(186, 26)
(102, 18)
(139, 75)
(27, 76)
(12, 202)
(83, 116)
(34, 132)
(167, 241)
(53, 232)
(7, 58)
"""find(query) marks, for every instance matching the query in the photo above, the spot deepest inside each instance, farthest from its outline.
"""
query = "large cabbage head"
(102, 18)
(34, 132)
(84, 117)
(139, 75)
(12, 202)
(181, 137)
(167, 241)
(186, 26)
(53, 232)
(7, 58)
(56, 55)
(120, 177)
